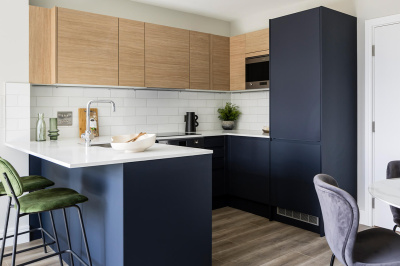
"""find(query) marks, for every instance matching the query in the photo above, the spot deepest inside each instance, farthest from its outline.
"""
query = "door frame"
(370, 26)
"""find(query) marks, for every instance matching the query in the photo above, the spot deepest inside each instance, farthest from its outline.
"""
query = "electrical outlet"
(64, 119)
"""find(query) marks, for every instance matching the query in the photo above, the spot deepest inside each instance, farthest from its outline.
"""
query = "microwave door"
(257, 73)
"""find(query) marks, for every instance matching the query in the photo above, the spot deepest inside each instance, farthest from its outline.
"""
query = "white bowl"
(141, 144)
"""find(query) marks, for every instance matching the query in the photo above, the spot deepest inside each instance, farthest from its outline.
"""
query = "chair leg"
(55, 236)
(5, 231)
(41, 231)
(332, 260)
(84, 235)
(14, 254)
(68, 239)
(394, 228)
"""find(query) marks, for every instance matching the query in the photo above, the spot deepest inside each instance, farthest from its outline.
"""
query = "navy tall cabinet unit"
(313, 109)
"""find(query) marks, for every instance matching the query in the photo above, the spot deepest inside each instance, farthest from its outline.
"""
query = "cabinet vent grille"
(298, 216)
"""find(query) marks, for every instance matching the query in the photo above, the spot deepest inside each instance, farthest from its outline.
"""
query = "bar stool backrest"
(13, 177)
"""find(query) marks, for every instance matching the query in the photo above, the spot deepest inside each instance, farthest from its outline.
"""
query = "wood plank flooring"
(242, 239)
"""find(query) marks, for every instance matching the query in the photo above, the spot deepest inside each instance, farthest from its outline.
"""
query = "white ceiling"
(228, 10)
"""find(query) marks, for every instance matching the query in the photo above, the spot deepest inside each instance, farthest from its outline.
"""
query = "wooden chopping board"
(82, 120)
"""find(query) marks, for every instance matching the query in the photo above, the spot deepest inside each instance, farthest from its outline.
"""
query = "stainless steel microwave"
(257, 72)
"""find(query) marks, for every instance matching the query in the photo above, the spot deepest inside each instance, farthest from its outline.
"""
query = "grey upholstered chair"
(376, 246)
(393, 171)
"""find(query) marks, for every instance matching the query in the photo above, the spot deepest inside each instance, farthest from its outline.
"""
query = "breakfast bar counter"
(148, 208)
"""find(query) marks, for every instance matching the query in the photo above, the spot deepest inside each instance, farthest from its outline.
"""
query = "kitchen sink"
(103, 145)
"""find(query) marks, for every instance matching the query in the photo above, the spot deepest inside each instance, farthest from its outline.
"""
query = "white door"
(386, 110)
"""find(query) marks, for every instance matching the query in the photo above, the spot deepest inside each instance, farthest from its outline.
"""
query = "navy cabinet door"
(249, 168)
(295, 77)
(293, 167)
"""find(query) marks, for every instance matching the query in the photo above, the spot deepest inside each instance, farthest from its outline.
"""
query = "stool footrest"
(32, 230)
(55, 254)
(31, 248)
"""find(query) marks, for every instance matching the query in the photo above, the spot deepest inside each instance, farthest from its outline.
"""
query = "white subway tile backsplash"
(52, 101)
(146, 94)
(12, 100)
(168, 94)
(96, 92)
(143, 110)
(67, 91)
(168, 111)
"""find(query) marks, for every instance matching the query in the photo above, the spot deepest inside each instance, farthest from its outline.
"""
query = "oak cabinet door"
(87, 48)
(238, 62)
(199, 60)
(220, 63)
(167, 57)
(256, 42)
(131, 53)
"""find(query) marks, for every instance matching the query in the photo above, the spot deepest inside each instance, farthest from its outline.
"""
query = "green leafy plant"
(229, 113)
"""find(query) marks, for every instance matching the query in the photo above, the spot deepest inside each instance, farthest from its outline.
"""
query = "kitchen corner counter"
(72, 153)
(213, 133)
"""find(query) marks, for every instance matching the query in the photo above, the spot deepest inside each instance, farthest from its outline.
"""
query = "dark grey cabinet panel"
(248, 160)
(295, 71)
(293, 167)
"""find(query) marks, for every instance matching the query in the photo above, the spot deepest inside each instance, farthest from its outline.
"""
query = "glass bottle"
(40, 128)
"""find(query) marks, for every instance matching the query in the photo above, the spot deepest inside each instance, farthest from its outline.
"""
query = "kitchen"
(152, 106)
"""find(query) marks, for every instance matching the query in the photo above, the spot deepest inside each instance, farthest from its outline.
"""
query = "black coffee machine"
(191, 122)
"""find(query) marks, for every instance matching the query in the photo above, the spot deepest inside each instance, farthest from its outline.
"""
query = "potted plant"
(229, 115)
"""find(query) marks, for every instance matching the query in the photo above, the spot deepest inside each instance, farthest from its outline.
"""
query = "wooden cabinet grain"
(87, 48)
(220, 63)
(199, 60)
(131, 53)
(257, 43)
(73, 47)
(238, 62)
(167, 57)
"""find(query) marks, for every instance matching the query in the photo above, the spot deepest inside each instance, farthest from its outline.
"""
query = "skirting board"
(21, 238)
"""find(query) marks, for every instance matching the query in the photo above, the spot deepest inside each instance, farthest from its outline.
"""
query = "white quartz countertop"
(72, 153)
(243, 133)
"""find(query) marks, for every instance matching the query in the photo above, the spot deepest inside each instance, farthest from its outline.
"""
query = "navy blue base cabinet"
(248, 174)
(313, 112)
(143, 213)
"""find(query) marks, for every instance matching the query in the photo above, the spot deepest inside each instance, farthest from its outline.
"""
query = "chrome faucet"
(88, 136)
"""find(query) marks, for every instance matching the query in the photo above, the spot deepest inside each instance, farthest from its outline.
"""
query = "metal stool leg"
(41, 231)
(55, 236)
(68, 239)
(5, 231)
(84, 235)
(332, 260)
(14, 254)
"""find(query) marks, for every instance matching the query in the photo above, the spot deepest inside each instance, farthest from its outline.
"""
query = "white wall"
(259, 19)
(14, 67)
(142, 12)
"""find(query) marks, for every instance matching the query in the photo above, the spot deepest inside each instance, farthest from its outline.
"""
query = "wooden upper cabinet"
(257, 41)
(199, 60)
(39, 45)
(220, 63)
(87, 48)
(131, 53)
(238, 62)
(167, 57)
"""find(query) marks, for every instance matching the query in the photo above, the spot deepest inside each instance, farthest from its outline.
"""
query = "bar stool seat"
(50, 199)
(31, 183)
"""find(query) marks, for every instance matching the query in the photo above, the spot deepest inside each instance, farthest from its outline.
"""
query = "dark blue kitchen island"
(144, 212)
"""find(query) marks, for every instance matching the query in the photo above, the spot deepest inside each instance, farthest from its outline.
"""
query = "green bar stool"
(29, 183)
(45, 200)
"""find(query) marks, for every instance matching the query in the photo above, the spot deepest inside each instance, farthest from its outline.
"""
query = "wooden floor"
(241, 238)
(31, 255)
(245, 239)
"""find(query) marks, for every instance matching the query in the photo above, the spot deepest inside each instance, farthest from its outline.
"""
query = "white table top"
(387, 190)
(70, 153)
